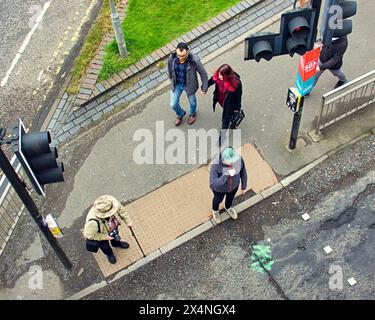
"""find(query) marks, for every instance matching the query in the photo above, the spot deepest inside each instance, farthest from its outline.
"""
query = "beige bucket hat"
(106, 206)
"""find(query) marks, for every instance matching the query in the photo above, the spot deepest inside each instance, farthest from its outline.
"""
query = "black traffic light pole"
(315, 4)
(19, 187)
(295, 125)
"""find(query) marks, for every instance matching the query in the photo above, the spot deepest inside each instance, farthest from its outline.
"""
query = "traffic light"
(297, 35)
(37, 157)
(336, 24)
(296, 30)
(261, 46)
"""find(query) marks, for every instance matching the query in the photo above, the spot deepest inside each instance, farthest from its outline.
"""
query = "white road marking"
(40, 75)
(24, 44)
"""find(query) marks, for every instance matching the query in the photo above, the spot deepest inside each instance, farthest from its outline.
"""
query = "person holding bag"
(101, 227)
(227, 171)
(228, 93)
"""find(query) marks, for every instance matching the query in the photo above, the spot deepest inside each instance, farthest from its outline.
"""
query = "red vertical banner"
(308, 64)
(307, 70)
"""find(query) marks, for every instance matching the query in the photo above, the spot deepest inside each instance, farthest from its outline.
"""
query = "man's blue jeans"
(175, 101)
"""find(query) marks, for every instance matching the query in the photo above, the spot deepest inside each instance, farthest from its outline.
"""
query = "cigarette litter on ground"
(327, 249)
(305, 216)
(352, 281)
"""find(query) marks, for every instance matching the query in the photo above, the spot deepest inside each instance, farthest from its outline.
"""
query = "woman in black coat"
(228, 92)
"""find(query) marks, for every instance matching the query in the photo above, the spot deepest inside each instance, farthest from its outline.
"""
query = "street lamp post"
(118, 30)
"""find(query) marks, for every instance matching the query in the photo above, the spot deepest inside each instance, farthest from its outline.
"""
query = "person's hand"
(109, 238)
(130, 225)
(232, 172)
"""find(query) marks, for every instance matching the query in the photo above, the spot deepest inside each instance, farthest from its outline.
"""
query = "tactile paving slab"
(260, 174)
(172, 210)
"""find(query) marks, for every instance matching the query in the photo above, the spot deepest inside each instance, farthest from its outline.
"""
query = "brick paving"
(167, 213)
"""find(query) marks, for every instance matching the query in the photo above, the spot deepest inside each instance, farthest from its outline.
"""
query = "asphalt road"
(339, 195)
(34, 55)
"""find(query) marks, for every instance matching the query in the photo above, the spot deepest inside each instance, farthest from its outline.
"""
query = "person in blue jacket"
(227, 171)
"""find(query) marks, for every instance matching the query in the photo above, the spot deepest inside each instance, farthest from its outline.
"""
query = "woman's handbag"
(236, 119)
(93, 245)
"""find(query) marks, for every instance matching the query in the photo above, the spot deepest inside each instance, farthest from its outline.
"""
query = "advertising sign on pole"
(307, 71)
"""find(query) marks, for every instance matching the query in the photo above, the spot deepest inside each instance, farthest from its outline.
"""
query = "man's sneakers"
(112, 259)
(339, 84)
(179, 120)
(216, 216)
(232, 213)
(192, 118)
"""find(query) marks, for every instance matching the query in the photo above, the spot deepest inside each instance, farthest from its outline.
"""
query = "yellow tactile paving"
(260, 174)
(173, 209)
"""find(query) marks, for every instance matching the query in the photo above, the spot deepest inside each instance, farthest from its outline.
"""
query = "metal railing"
(344, 101)
(11, 207)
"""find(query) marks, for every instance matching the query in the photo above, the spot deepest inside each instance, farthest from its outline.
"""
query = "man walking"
(102, 223)
(183, 67)
(331, 58)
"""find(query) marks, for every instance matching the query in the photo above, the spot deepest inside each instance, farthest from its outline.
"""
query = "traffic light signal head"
(297, 35)
(296, 32)
(260, 47)
(336, 24)
(37, 157)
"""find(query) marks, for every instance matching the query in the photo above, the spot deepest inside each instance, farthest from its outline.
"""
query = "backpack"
(93, 245)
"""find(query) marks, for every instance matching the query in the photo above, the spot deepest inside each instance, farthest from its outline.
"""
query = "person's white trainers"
(216, 216)
(232, 213)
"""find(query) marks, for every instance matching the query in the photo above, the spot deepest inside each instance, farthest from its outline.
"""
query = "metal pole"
(316, 4)
(120, 39)
(19, 187)
(295, 126)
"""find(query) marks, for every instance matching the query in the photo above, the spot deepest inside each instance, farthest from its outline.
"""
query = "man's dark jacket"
(194, 65)
(331, 57)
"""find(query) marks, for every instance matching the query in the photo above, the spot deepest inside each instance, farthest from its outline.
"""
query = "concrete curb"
(187, 236)
(87, 291)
